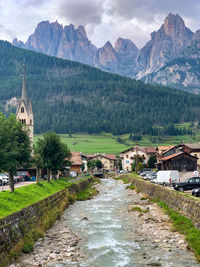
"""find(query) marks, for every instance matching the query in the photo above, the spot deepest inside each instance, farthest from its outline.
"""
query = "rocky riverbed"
(59, 244)
(119, 227)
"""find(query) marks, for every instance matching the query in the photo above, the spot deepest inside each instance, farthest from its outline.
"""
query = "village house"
(193, 149)
(108, 160)
(127, 156)
(76, 162)
(176, 158)
(161, 149)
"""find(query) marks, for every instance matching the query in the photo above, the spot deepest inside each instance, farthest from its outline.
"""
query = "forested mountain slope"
(71, 97)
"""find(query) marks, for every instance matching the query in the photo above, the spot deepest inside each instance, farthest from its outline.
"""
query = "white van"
(167, 177)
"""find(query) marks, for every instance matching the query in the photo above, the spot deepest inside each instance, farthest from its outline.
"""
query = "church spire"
(24, 95)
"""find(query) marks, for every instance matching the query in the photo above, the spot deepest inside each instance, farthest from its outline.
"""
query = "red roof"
(148, 150)
(110, 156)
(76, 158)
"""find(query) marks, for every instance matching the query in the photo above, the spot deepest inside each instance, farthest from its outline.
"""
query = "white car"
(73, 174)
(4, 178)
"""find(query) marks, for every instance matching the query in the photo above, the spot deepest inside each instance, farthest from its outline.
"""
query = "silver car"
(4, 178)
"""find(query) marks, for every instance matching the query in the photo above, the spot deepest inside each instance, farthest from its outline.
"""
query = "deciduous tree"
(52, 153)
(15, 146)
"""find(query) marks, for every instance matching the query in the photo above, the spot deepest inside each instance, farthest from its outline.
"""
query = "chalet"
(176, 158)
(127, 156)
(193, 149)
(76, 162)
(180, 161)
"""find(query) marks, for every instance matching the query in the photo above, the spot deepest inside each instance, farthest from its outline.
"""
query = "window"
(127, 156)
(23, 121)
(22, 109)
(30, 122)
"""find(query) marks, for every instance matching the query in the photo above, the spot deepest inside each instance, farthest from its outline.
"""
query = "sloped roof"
(76, 158)
(192, 145)
(90, 156)
(164, 147)
(148, 150)
(131, 148)
(176, 155)
(110, 156)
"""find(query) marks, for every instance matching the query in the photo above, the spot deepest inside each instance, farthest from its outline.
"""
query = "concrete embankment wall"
(22, 228)
(177, 201)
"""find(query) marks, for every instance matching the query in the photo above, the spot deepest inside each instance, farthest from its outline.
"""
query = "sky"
(103, 19)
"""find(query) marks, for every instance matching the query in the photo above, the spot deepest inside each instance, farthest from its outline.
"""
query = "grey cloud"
(147, 10)
(81, 12)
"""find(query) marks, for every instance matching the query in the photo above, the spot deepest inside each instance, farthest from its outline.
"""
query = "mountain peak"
(81, 30)
(125, 46)
(173, 24)
(108, 44)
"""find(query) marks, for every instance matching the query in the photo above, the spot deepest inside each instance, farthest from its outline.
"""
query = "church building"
(24, 108)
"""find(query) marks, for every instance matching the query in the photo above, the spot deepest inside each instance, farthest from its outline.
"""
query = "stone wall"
(175, 200)
(24, 227)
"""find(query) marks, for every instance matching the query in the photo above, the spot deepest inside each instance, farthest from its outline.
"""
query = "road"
(6, 187)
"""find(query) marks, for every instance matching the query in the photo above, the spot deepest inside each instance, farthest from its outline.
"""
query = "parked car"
(151, 176)
(73, 174)
(189, 184)
(196, 192)
(145, 173)
(123, 171)
(4, 178)
(19, 178)
(167, 177)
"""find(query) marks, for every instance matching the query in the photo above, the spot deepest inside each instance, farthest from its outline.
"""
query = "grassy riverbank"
(28, 195)
(184, 226)
(181, 224)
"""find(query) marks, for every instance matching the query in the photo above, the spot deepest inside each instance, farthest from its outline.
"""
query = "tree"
(15, 146)
(51, 154)
(91, 164)
(98, 164)
(138, 163)
(152, 160)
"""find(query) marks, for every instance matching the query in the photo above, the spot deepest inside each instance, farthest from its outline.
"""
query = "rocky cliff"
(165, 45)
(153, 63)
(182, 72)
(64, 42)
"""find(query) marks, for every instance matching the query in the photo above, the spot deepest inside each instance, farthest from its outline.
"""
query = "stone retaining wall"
(30, 223)
(175, 200)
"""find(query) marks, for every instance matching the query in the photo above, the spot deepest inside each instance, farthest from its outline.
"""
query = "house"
(193, 149)
(127, 156)
(76, 161)
(161, 149)
(176, 158)
(108, 160)
(180, 161)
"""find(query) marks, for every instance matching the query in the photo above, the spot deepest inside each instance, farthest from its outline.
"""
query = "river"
(112, 235)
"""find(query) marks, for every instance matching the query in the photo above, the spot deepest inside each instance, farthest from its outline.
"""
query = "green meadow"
(108, 143)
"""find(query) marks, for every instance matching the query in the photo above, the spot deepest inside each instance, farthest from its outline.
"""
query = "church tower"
(24, 108)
